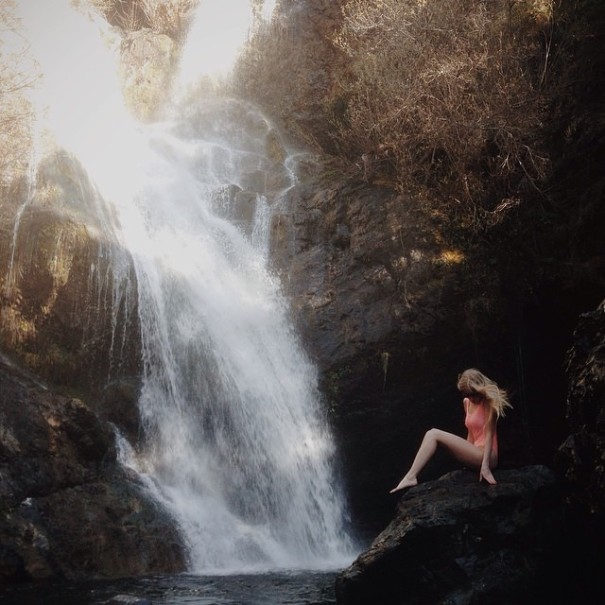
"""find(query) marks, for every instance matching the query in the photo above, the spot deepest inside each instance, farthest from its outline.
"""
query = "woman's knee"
(440, 437)
(434, 433)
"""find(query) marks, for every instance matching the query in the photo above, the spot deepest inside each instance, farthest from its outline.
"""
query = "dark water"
(295, 588)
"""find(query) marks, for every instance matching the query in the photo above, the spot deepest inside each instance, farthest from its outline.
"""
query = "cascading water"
(236, 445)
(237, 441)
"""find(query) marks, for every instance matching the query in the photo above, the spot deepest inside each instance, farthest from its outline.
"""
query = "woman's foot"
(403, 484)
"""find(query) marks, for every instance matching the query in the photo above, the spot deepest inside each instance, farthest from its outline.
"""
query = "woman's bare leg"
(460, 448)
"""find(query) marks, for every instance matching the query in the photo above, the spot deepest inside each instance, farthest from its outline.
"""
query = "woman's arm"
(485, 471)
(465, 403)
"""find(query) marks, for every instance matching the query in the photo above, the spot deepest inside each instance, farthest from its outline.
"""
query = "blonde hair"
(474, 381)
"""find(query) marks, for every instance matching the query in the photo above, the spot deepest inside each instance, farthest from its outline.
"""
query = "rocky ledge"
(458, 541)
(67, 508)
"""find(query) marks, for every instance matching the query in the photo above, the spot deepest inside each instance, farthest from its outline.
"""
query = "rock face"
(68, 309)
(580, 460)
(362, 266)
(458, 541)
(582, 457)
(392, 313)
(67, 509)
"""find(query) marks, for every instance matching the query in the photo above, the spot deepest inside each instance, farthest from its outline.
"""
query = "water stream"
(237, 446)
(237, 441)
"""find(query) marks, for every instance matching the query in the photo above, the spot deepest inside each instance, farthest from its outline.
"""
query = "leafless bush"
(289, 65)
(444, 92)
(15, 108)
(169, 17)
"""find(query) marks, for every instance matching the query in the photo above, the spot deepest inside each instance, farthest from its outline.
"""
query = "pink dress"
(475, 421)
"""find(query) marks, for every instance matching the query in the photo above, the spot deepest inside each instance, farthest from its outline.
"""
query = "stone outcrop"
(67, 509)
(68, 299)
(389, 310)
(581, 458)
(531, 538)
(459, 541)
(580, 461)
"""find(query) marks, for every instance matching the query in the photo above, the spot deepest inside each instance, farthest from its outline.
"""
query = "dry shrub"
(444, 92)
(289, 65)
(169, 17)
(16, 112)
(125, 14)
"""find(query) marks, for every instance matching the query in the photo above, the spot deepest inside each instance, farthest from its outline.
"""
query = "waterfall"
(237, 446)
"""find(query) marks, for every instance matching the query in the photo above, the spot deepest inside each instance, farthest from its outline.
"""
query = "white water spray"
(236, 444)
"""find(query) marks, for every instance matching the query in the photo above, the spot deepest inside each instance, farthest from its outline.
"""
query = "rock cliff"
(382, 300)
(534, 537)
(67, 509)
(68, 313)
(455, 540)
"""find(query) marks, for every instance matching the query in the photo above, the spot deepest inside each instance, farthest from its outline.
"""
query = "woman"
(484, 402)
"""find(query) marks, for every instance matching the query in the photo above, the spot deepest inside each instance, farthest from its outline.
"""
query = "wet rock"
(67, 509)
(119, 405)
(455, 540)
(47, 442)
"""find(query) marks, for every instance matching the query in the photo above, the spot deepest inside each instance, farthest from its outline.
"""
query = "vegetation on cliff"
(169, 17)
(15, 109)
(469, 104)
(487, 118)
(445, 93)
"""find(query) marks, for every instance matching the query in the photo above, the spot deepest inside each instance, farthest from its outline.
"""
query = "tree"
(169, 17)
(446, 94)
(17, 77)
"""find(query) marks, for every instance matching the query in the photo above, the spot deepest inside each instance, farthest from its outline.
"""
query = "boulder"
(458, 541)
(390, 311)
(67, 508)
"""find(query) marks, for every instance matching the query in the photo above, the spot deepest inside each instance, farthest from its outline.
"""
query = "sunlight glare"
(79, 98)
(219, 31)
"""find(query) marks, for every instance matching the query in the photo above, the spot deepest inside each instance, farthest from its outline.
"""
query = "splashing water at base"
(236, 444)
